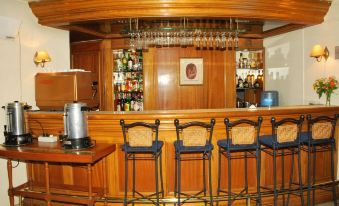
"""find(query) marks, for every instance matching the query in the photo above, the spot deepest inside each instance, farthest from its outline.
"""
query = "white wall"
(289, 54)
(291, 71)
(17, 68)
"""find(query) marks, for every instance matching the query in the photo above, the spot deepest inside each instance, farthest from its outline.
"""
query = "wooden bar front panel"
(104, 127)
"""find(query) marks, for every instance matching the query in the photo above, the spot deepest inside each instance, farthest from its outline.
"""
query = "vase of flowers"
(325, 86)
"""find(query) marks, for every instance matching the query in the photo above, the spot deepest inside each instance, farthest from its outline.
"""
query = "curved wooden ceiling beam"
(64, 12)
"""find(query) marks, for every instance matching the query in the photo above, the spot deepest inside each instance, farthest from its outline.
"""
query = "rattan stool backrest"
(287, 133)
(194, 133)
(140, 134)
(243, 131)
(322, 127)
(287, 129)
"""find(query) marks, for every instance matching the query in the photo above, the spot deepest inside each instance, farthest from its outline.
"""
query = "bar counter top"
(208, 112)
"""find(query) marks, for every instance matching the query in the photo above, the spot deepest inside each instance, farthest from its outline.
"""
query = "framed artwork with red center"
(191, 71)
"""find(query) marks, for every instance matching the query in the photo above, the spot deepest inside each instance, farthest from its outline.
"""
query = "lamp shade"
(317, 51)
(41, 57)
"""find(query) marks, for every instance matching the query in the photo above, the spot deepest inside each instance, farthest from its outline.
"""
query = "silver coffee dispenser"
(15, 131)
(75, 126)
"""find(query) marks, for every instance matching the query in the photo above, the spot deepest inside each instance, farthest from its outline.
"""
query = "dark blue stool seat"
(151, 149)
(268, 141)
(304, 140)
(227, 144)
(179, 147)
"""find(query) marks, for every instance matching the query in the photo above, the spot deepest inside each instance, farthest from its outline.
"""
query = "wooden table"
(54, 153)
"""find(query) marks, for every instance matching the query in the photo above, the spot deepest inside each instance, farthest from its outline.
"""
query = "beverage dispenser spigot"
(75, 126)
(15, 131)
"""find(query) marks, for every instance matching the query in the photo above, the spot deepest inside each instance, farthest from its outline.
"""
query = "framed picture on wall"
(191, 71)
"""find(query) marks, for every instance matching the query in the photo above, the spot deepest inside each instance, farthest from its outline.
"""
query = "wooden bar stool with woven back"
(284, 140)
(319, 138)
(193, 138)
(241, 143)
(141, 143)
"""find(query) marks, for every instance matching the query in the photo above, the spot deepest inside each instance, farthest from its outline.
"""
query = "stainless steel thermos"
(15, 131)
(75, 126)
(75, 121)
(15, 118)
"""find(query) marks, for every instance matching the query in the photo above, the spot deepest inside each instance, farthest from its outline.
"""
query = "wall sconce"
(41, 57)
(318, 52)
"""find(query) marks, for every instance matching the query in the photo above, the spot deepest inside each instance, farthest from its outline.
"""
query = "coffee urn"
(75, 126)
(15, 131)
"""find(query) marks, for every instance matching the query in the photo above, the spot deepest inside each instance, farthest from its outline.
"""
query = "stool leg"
(291, 176)
(309, 174)
(204, 173)
(314, 173)
(258, 156)
(161, 177)
(300, 177)
(176, 175)
(332, 175)
(275, 177)
(126, 179)
(246, 179)
(283, 174)
(179, 179)
(219, 174)
(229, 178)
(156, 178)
(210, 177)
(133, 178)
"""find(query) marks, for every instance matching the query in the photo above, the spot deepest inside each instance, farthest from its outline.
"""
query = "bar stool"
(285, 136)
(241, 136)
(319, 138)
(141, 143)
(193, 138)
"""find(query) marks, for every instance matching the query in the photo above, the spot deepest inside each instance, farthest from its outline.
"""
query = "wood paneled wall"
(162, 79)
(217, 90)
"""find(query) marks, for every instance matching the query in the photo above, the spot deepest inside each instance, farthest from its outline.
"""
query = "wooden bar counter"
(105, 127)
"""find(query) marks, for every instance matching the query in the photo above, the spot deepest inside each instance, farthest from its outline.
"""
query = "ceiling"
(102, 19)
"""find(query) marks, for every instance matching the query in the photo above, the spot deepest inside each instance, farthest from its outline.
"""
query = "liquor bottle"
(240, 82)
(124, 62)
(118, 103)
(128, 82)
(251, 79)
(260, 76)
(236, 79)
(253, 62)
(122, 102)
(141, 103)
(127, 103)
(248, 79)
(241, 61)
(246, 84)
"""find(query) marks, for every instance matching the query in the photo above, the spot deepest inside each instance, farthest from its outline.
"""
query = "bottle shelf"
(129, 92)
(246, 69)
(128, 71)
(128, 80)
(250, 88)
